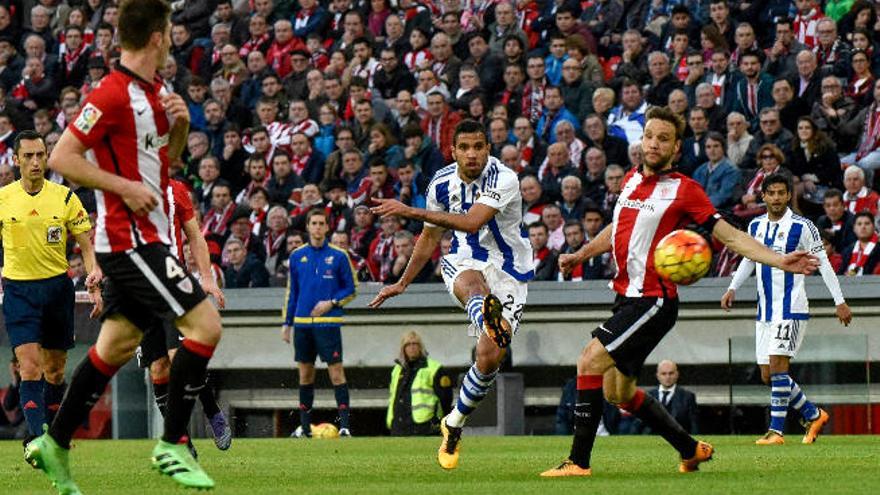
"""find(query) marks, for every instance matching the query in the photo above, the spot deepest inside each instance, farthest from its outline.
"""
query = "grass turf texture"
(489, 465)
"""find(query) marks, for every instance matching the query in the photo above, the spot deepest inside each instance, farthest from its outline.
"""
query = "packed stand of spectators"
(304, 104)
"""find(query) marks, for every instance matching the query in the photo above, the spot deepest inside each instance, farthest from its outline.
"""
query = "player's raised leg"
(485, 313)
(49, 452)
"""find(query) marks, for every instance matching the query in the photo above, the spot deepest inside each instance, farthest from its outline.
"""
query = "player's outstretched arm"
(471, 222)
(737, 240)
(424, 249)
(598, 245)
(68, 159)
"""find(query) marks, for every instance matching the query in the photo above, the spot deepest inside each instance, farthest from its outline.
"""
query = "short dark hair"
(29, 135)
(834, 193)
(717, 137)
(539, 225)
(667, 115)
(777, 178)
(139, 19)
(573, 222)
(468, 126)
(317, 211)
(864, 213)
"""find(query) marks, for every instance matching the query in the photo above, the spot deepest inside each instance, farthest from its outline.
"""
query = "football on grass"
(682, 257)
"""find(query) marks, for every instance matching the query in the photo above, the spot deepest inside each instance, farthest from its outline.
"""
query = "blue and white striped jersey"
(781, 295)
(503, 241)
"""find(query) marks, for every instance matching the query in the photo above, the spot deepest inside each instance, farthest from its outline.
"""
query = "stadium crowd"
(305, 104)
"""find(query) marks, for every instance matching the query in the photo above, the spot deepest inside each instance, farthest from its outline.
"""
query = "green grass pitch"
(489, 465)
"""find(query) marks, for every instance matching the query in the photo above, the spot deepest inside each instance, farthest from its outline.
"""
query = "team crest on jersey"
(185, 285)
(87, 119)
(780, 236)
(328, 260)
(53, 234)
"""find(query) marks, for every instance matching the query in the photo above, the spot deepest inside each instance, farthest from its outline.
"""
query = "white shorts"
(511, 292)
(778, 338)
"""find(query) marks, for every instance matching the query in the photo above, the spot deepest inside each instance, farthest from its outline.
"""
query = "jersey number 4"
(173, 269)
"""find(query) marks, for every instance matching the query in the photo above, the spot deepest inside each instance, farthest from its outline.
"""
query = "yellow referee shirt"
(34, 229)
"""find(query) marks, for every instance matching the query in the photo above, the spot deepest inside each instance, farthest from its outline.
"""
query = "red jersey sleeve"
(696, 204)
(96, 117)
(183, 200)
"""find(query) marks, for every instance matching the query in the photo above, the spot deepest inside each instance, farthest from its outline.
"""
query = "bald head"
(667, 373)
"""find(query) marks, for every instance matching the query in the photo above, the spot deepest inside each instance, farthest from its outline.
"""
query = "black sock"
(32, 405)
(86, 386)
(160, 394)
(188, 369)
(306, 398)
(209, 402)
(652, 413)
(587, 414)
(341, 393)
(52, 396)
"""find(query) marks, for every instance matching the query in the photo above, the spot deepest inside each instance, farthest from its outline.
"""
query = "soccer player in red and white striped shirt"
(135, 128)
(654, 201)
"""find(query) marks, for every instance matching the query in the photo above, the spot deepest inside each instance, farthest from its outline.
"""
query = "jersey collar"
(130, 73)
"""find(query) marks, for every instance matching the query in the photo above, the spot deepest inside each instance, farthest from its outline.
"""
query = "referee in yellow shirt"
(38, 296)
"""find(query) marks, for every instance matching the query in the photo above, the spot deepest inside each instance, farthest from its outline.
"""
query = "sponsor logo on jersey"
(304, 259)
(87, 119)
(153, 141)
(635, 204)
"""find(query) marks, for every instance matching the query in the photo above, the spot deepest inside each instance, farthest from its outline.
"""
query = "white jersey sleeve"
(812, 243)
(501, 187)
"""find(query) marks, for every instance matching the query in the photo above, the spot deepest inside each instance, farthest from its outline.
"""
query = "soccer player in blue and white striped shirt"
(783, 309)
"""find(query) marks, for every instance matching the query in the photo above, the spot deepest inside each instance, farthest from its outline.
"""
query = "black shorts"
(147, 285)
(157, 341)
(311, 342)
(635, 329)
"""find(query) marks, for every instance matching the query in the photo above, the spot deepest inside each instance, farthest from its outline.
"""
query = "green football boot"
(175, 460)
(45, 454)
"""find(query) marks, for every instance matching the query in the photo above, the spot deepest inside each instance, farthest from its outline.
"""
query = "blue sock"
(306, 399)
(780, 394)
(800, 403)
(474, 388)
(475, 311)
(341, 393)
(31, 399)
(52, 396)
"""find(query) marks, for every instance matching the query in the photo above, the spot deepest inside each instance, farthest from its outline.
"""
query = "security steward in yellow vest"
(420, 391)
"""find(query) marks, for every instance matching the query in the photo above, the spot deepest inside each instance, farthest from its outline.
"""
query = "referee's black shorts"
(634, 330)
(148, 285)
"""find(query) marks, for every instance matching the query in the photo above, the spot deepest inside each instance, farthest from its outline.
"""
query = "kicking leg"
(621, 390)
(471, 289)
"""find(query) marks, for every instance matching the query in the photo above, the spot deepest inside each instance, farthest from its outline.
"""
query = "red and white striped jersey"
(124, 123)
(649, 208)
(180, 210)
